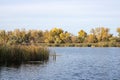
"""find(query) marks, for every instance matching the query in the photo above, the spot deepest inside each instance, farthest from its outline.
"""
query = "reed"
(22, 53)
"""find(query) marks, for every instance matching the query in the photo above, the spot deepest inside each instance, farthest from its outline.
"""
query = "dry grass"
(22, 53)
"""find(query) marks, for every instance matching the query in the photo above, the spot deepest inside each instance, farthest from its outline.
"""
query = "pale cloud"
(59, 13)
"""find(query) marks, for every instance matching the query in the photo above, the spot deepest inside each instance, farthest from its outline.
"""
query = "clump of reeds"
(22, 53)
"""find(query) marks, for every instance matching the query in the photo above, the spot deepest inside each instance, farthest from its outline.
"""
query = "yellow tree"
(81, 36)
(54, 34)
(36, 36)
(65, 37)
(73, 39)
(17, 36)
(101, 33)
(56, 31)
(118, 30)
(98, 33)
(93, 31)
(3, 36)
(105, 34)
(20, 36)
(91, 38)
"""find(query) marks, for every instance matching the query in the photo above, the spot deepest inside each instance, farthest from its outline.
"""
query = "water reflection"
(14, 65)
(53, 55)
(74, 64)
(17, 65)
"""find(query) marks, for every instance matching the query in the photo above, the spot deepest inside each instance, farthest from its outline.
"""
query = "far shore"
(102, 44)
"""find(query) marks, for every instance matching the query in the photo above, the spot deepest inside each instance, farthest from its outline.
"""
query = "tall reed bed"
(22, 53)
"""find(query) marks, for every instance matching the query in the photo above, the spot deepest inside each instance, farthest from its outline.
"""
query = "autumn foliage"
(57, 36)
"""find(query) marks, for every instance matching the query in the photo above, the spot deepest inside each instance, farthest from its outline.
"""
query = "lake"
(71, 63)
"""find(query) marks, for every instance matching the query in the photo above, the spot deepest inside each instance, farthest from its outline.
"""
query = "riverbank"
(100, 44)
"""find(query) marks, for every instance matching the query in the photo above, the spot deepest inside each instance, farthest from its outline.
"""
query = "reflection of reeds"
(22, 53)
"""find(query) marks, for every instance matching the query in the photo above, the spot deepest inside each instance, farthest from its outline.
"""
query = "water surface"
(70, 64)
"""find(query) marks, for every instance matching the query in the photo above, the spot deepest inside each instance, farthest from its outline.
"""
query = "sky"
(70, 15)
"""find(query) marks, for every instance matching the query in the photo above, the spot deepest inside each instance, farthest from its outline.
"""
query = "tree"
(57, 35)
(113, 39)
(73, 39)
(17, 36)
(101, 33)
(93, 31)
(36, 36)
(54, 34)
(47, 37)
(81, 36)
(91, 38)
(118, 30)
(3, 36)
(56, 31)
(65, 37)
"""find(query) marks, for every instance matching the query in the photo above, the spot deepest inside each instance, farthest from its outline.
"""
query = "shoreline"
(106, 44)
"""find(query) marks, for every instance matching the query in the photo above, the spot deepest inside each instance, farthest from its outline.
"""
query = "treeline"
(58, 36)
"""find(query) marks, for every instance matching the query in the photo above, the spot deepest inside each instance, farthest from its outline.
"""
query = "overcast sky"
(70, 15)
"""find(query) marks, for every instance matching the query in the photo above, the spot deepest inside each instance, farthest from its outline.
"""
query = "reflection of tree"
(0, 73)
(54, 57)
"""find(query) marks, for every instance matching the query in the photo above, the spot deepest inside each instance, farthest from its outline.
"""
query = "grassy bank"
(22, 53)
(100, 44)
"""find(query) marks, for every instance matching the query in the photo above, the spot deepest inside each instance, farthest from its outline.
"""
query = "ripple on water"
(73, 64)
